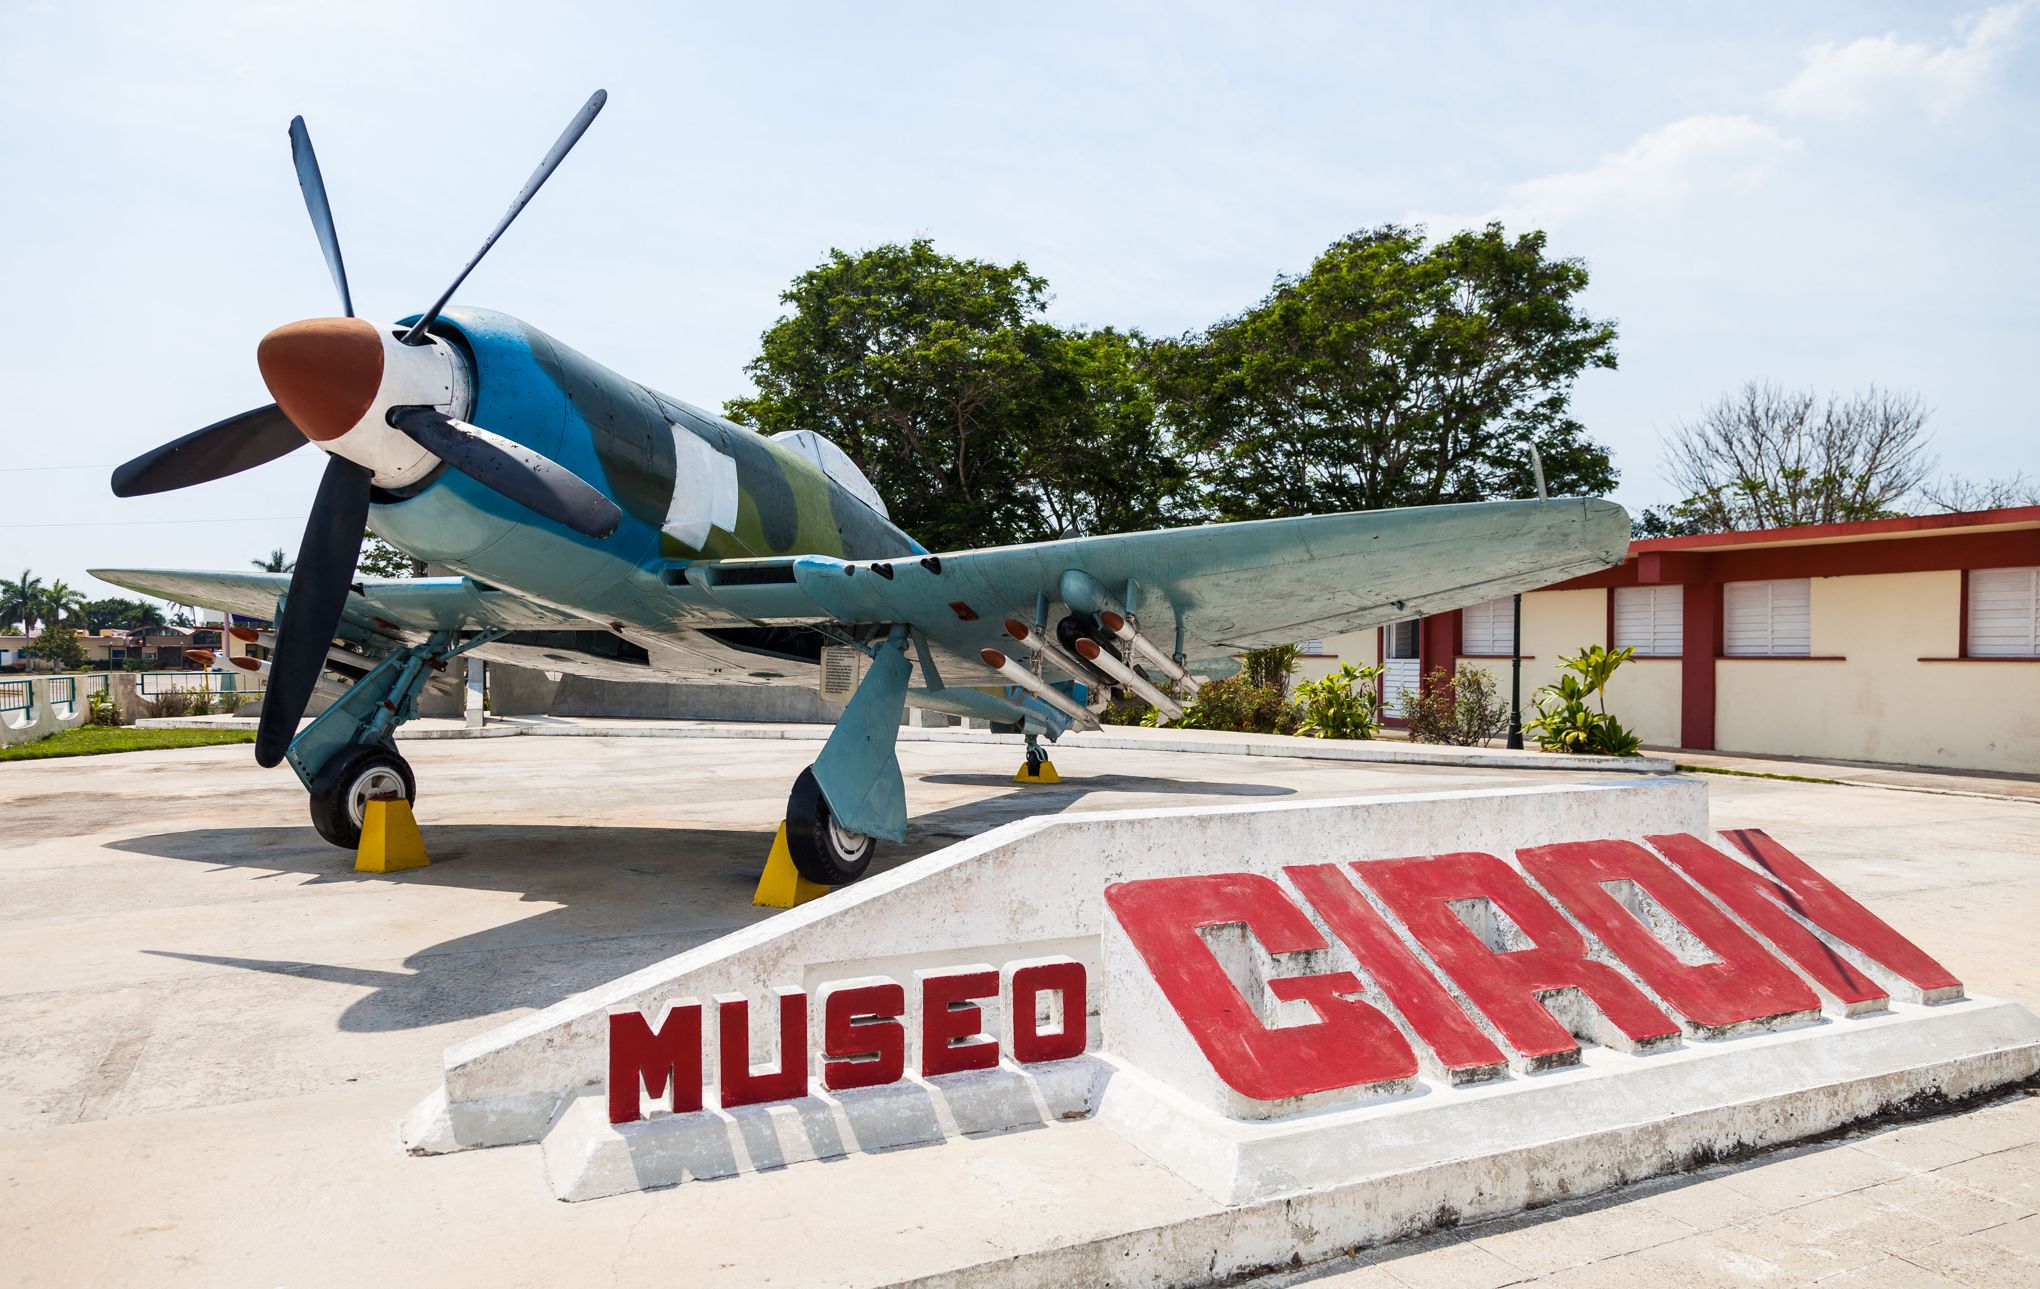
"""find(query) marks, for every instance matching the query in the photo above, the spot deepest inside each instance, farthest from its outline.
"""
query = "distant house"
(1911, 641)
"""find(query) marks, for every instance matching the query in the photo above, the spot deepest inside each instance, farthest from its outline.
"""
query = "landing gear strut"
(347, 754)
(823, 850)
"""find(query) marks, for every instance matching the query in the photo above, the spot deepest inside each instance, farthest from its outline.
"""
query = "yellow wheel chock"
(390, 840)
(781, 886)
(1037, 772)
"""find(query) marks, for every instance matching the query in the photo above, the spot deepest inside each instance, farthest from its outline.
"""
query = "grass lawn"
(97, 740)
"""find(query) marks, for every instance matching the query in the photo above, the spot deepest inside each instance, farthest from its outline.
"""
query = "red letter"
(1744, 984)
(1764, 904)
(742, 1085)
(863, 1043)
(1065, 979)
(1461, 1048)
(1350, 1045)
(640, 1054)
(952, 1026)
(1508, 985)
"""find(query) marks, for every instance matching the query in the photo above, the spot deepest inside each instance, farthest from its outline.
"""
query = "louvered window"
(1650, 620)
(1488, 630)
(1768, 619)
(2004, 613)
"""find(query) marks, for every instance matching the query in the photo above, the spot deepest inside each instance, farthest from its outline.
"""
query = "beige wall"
(1554, 623)
(1645, 696)
(1361, 648)
(1880, 703)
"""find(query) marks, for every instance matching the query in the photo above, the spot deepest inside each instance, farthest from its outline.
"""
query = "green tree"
(1103, 462)
(976, 420)
(380, 559)
(57, 649)
(1393, 373)
(21, 601)
(276, 563)
(61, 601)
(118, 613)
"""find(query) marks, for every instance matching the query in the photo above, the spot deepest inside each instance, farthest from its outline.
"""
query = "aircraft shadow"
(618, 898)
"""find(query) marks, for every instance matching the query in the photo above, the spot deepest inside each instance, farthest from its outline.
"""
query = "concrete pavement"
(215, 1026)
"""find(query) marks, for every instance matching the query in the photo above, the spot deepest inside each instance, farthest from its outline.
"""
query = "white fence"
(33, 707)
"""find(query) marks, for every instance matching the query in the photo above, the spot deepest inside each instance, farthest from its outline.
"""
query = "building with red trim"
(1911, 641)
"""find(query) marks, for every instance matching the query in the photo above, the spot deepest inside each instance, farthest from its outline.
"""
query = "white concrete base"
(1028, 889)
(587, 1157)
(1614, 1118)
(45, 716)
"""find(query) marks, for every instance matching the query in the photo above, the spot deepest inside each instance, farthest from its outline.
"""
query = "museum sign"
(1302, 986)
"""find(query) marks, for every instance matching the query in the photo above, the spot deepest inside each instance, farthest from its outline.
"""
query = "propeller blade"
(568, 138)
(531, 480)
(318, 592)
(313, 185)
(220, 449)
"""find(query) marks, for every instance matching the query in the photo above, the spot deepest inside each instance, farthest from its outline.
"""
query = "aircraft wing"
(416, 605)
(1220, 588)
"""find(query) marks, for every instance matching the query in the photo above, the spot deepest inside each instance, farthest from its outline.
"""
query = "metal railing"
(16, 696)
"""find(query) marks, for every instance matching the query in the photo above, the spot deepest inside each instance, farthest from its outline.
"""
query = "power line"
(136, 523)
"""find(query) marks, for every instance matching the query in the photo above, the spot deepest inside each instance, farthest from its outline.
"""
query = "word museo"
(1471, 968)
(864, 1039)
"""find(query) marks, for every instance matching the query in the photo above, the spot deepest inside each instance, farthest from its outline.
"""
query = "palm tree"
(22, 601)
(276, 563)
(62, 600)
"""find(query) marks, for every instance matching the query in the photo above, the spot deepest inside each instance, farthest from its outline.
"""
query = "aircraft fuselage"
(691, 486)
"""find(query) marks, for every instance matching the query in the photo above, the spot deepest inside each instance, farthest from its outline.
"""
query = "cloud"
(1878, 73)
(1662, 170)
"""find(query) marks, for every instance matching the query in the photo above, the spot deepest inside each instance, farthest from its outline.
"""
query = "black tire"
(822, 850)
(340, 787)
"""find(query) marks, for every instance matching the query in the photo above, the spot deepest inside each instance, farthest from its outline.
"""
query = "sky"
(1821, 194)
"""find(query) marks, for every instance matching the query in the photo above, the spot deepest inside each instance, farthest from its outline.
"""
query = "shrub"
(171, 703)
(1270, 668)
(1459, 708)
(100, 709)
(1565, 723)
(201, 703)
(1344, 704)
(1240, 706)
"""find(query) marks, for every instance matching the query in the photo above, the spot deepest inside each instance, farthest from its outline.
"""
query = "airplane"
(590, 524)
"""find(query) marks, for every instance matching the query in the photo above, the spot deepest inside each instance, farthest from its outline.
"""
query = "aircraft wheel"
(341, 791)
(823, 850)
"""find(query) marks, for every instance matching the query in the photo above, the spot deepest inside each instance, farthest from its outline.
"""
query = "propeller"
(220, 449)
(563, 145)
(330, 378)
(524, 476)
(313, 185)
(318, 592)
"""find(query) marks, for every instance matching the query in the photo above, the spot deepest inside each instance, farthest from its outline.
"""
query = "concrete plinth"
(1022, 891)
(587, 1157)
(1614, 1118)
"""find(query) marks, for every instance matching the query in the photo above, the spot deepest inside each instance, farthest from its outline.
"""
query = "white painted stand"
(586, 1156)
(1614, 1118)
(1306, 1180)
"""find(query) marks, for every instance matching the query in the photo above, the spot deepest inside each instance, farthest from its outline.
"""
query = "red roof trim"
(1867, 529)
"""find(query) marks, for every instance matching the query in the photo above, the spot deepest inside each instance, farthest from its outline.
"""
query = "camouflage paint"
(619, 436)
